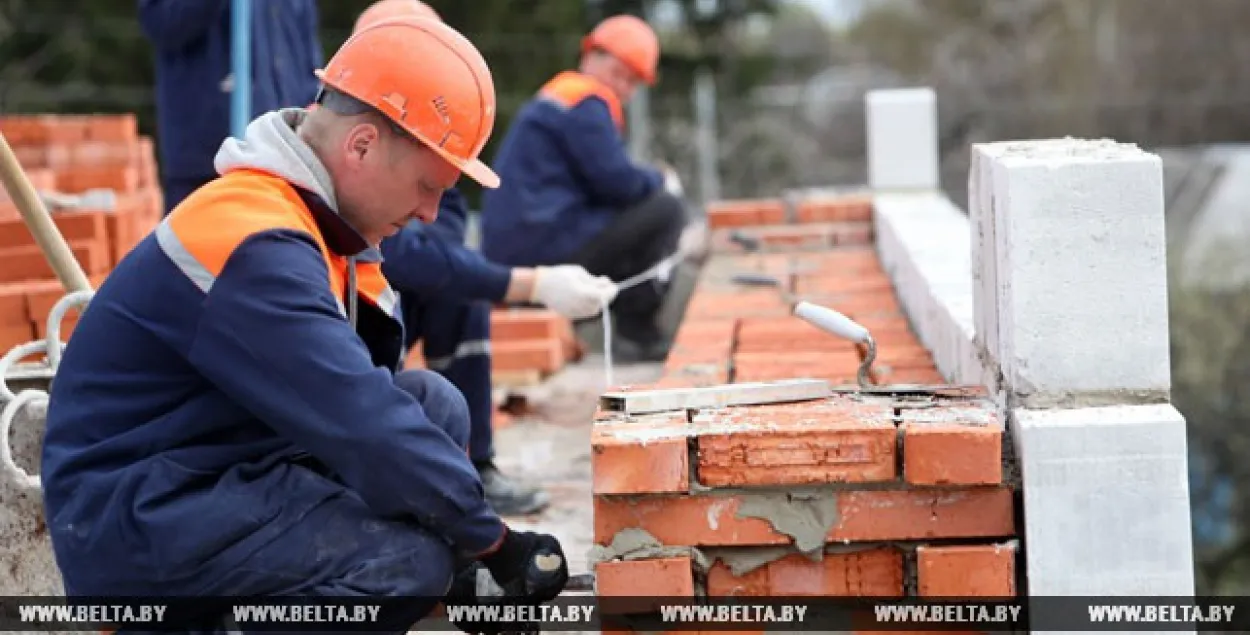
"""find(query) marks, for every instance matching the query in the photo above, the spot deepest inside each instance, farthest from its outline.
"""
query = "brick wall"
(71, 155)
(865, 495)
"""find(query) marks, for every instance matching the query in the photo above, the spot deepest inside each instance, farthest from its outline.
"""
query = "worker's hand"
(529, 566)
(571, 291)
(693, 240)
(672, 182)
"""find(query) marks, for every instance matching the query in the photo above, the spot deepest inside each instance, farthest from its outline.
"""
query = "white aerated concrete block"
(902, 139)
(1071, 268)
(922, 242)
(1106, 501)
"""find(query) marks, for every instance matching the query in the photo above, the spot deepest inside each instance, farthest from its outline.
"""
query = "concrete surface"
(1071, 250)
(1106, 500)
(923, 241)
(902, 139)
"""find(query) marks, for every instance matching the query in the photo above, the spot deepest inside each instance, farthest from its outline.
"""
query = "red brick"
(843, 234)
(12, 335)
(80, 179)
(836, 440)
(967, 571)
(524, 324)
(74, 227)
(13, 307)
(29, 263)
(641, 455)
(876, 572)
(707, 520)
(545, 355)
(846, 208)
(647, 582)
(745, 213)
(952, 445)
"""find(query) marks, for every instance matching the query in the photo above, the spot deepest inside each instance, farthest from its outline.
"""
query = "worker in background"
(194, 76)
(570, 192)
(229, 420)
(447, 290)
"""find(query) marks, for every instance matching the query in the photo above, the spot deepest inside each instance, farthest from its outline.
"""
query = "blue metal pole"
(241, 60)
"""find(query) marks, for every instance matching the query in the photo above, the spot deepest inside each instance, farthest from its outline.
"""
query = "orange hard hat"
(427, 78)
(386, 9)
(630, 40)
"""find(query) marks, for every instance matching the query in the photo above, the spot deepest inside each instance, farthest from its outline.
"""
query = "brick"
(966, 571)
(848, 208)
(13, 307)
(646, 583)
(950, 445)
(28, 263)
(81, 179)
(12, 335)
(524, 324)
(876, 572)
(641, 455)
(546, 355)
(74, 227)
(836, 440)
(712, 520)
(843, 284)
(760, 335)
(843, 234)
(744, 213)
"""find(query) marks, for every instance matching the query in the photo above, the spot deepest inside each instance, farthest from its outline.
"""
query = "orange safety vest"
(201, 234)
(570, 88)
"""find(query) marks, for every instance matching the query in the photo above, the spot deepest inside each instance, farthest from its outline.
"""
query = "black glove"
(530, 567)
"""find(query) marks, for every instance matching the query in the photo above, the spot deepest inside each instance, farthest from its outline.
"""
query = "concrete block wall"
(1053, 291)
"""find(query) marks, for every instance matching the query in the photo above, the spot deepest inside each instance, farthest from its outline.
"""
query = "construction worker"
(194, 76)
(228, 419)
(570, 192)
(447, 291)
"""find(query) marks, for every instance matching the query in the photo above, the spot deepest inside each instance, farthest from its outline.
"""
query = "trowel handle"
(831, 321)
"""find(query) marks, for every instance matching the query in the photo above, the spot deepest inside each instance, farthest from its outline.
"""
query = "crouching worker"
(570, 192)
(228, 420)
(446, 292)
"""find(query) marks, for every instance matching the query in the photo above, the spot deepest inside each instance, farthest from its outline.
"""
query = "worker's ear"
(361, 140)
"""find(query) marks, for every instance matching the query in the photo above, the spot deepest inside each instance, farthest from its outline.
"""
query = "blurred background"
(757, 96)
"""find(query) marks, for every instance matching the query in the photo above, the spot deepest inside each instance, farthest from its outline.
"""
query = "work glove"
(693, 240)
(571, 291)
(530, 566)
(672, 182)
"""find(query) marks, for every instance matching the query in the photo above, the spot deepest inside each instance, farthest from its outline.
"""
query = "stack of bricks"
(849, 495)
(524, 343)
(72, 155)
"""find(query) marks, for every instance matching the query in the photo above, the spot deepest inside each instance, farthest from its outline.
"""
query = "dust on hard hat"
(387, 9)
(428, 79)
(630, 40)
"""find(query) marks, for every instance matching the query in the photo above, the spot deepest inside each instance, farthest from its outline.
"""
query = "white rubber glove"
(571, 291)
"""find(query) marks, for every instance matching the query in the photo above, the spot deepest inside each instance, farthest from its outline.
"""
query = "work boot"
(508, 497)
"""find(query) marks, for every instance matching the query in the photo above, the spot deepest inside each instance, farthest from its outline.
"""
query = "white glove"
(571, 291)
(672, 182)
(694, 239)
